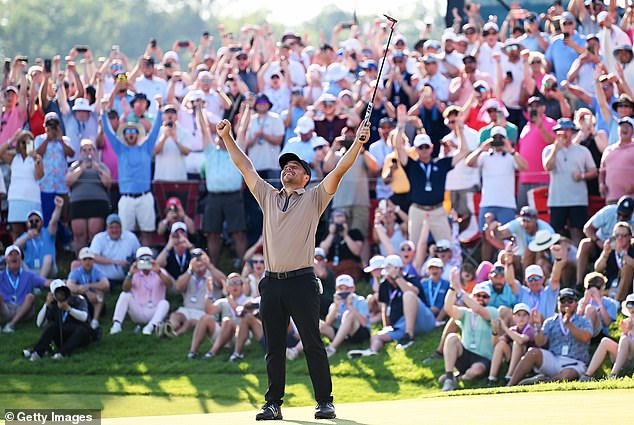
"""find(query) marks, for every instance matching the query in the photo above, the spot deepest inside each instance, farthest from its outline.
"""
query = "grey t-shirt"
(88, 187)
(564, 191)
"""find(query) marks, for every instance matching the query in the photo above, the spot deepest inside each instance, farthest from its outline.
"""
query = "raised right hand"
(223, 128)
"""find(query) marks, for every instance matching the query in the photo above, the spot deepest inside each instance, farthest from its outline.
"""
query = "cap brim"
(287, 157)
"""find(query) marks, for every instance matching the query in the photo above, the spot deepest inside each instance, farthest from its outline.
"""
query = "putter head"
(392, 20)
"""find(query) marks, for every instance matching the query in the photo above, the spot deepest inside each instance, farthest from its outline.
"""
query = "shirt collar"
(299, 191)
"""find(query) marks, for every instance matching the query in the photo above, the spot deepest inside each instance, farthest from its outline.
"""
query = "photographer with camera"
(16, 287)
(175, 213)
(616, 261)
(66, 317)
(343, 246)
(89, 181)
(38, 242)
(176, 255)
(143, 294)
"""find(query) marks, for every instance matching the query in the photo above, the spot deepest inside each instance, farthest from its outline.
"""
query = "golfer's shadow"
(337, 421)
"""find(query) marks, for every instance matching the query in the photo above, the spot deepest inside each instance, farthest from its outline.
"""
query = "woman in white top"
(171, 149)
(26, 170)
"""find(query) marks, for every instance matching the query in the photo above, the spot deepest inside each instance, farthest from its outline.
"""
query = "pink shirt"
(109, 157)
(531, 145)
(147, 287)
(12, 121)
(618, 163)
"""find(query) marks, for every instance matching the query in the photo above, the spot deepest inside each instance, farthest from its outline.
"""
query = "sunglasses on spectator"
(318, 148)
(622, 235)
(469, 62)
(424, 147)
(566, 23)
(242, 57)
(630, 305)
(491, 33)
(329, 104)
(567, 300)
(533, 279)
(406, 249)
(550, 84)
(607, 87)
(492, 110)
(469, 31)
(512, 48)
(257, 261)
(116, 67)
(484, 296)
(536, 62)
(451, 122)
(130, 131)
(398, 61)
(498, 270)
(234, 282)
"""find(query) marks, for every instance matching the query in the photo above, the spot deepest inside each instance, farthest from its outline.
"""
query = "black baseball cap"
(625, 206)
(285, 158)
(568, 293)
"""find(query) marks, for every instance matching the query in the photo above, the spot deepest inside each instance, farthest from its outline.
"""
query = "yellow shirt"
(400, 182)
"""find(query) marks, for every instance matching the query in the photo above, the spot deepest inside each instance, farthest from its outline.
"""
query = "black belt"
(135, 195)
(427, 207)
(286, 275)
(232, 192)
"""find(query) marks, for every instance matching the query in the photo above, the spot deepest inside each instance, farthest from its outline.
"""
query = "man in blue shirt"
(304, 141)
(90, 282)
(435, 288)
(568, 337)
(427, 178)
(16, 287)
(38, 242)
(134, 152)
(565, 47)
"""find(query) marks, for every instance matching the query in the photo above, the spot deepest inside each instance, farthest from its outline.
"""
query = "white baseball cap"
(534, 270)
(498, 131)
(304, 125)
(521, 307)
(12, 248)
(393, 260)
(435, 262)
(422, 139)
(86, 252)
(179, 225)
(344, 280)
(144, 251)
(376, 262)
(481, 287)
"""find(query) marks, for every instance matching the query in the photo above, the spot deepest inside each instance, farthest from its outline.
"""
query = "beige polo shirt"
(289, 233)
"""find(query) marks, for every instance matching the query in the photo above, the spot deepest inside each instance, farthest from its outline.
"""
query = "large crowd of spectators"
(494, 199)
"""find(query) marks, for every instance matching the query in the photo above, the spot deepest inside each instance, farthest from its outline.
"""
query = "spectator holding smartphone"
(617, 261)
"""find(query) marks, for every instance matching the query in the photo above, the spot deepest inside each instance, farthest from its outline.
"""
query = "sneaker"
(235, 357)
(492, 382)
(291, 353)
(94, 323)
(208, 355)
(355, 354)
(449, 385)
(507, 379)
(612, 376)
(330, 351)
(9, 328)
(168, 330)
(405, 342)
(58, 356)
(434, 356)
(35, 357)
(148, 329)
(586, 378)
(27, 353)
(325, 410)
(116, 328)
(443, 377)
(540, 377)
(269, 412)
(192, 356)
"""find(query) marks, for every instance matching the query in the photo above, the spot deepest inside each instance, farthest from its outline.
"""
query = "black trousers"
(73, 337)
(296, 297)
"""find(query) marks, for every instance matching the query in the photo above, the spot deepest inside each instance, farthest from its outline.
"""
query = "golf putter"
(370, 108)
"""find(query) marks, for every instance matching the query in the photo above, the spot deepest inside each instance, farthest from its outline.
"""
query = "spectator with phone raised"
(617, 261)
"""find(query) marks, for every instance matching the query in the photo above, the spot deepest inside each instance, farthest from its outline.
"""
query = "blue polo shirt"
(563, 56)
(507, 298)
(417, 175)
(38, 248)
(135, 162)
(545, 302)
(83, 277)
(14, 288)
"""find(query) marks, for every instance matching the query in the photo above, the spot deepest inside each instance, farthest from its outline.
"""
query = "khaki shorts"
(190, 313)
(552, 364)
(8, 312)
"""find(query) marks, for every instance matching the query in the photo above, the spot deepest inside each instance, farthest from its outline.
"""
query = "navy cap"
(564, 124)
(625, 206)
(285, 158)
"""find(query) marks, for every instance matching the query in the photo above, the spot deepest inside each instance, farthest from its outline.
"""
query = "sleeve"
(598, 220)
(530, 333)
(493, 312)
(585, 324)
(549, 51)
(261, 191)
(116, 144)
(152, 136)
(95, 245)
(79, 308)
(278, 126)
(383, 293)
(547, 327)
(38, 281)
(481, 159)
(323, 199)
(589, 164)
(73, 275)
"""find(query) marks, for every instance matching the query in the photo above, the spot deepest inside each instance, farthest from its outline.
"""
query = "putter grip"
(368, 113)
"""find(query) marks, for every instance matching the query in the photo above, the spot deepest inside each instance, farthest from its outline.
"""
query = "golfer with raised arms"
(289, 287)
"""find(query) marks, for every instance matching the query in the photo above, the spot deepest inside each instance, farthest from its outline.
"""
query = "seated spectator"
(327, 278)
(16, 290)
(390, 227)
(171, 149)
(541, 299)
(176, 255)
(512, 343)
(405, 315)
(599, 228)
(471, 354)
(250, 326)
(252, 273)
(143, 296)
(174, 213)
(375, 269)
(114, 249)
(343, 246)
(196, 284)
(221, 319)
(26, 170)
(621, 353)
(617, 261)
(66, 317)
(89, 282)
(601, 310)
(568, 337)
(38, 242)
(89, 181)
(434, 289)
(503, 292)
(348, 317)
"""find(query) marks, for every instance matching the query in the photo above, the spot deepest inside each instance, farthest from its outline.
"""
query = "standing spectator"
(595, 141)
(89, 180)
(617, 173)
(91, 283)
(429, 109)
(171, 149)
(143, 294)
(471, 354)
(14, 110)
(138, 113)
(24, 192)
(264, 138)
(114, 249)
(380, 150)
(487, 48)
(617, 261)
(565, 47)
(427, 178)
(80, 122)
(535, 136)
(304, 142)
(343, 245)
(135, 152)
(150, 84)
(54, 150)
(16, 290)
(568, 336)
(38, 242)
(434, 79)
(331, 125)
(569, 165)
